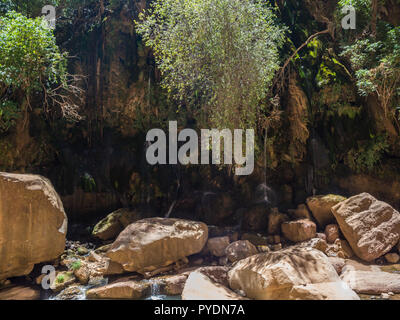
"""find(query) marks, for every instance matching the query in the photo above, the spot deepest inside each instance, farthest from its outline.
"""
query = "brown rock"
(300, 230)
(62, 280)
(89, 270)
(121, 290)
(370, 226)
(348, 252)
(112, 225)
(392, 257)
(218, 245)
(32, 221)
(19, 293)
(294, 273)
(173, 285)
(315, 243)
(218, 274)
(240, 250)
(332, 233)
(275, 219)
(149, 244)
(320, 207)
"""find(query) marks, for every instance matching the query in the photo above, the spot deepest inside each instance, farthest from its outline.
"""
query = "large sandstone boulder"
(33, 224)
(200, 287)
(320, 207)
(112, 225)
(149, 244)
(299, 230)
(293, 273)
(371, 227)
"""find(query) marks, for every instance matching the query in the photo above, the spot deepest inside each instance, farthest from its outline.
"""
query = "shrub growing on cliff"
(217, 57)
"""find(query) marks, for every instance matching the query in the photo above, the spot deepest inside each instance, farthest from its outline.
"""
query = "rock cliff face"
(33, 224)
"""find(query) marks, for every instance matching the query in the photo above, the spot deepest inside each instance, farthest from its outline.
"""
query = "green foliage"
(9, 113)
(376, 63)
(217, 57)
(363, 11)
(31, 63)
(29, 55)
(76, 265)
(29, 8)
(367, 155)
(60, 278)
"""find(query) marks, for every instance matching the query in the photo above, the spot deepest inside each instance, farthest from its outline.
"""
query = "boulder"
(73, 292)
(217, 246)
(240, 250)
(392, 257)
(332, 233)
(20, 293)
(371, 227)
(293, 273)
(121, 290)
(85, 271)
(217, 274)
(62, 280)
(200, 287)
(112, 225)
(275, 220)
(33, 224)
(173, 285)
(149, 244)
(320, 207)
(348, 252)
(330, 250)
(370, 279)
(300, 230)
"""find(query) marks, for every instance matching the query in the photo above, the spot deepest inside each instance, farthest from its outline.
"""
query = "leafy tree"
(376, 63)
(31, 63)
(29, 8)
(217, 57)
